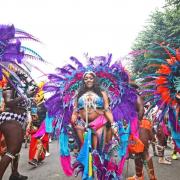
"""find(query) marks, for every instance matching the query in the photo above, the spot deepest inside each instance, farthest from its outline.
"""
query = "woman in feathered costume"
(14, 94)
(162, 89)
(98, 102)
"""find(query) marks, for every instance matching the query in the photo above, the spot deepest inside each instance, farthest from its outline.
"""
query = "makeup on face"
(89, 80)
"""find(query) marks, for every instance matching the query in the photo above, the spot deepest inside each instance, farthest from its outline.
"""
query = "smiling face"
(89, 80)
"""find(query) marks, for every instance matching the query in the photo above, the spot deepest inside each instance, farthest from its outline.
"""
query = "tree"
(175, 3)
(162, 27)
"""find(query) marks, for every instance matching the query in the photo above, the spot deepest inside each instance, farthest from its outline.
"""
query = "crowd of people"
(99, 116)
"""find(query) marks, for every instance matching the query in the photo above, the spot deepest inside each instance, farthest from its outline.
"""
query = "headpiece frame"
(89, 72)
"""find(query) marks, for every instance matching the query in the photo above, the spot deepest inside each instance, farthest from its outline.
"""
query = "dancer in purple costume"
(96, 99)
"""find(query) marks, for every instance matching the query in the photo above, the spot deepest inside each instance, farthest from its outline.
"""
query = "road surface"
(50, 169)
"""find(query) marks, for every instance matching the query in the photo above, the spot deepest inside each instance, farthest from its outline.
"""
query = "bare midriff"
(92, 114)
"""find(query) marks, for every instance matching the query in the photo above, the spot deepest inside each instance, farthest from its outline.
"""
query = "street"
(51, 170)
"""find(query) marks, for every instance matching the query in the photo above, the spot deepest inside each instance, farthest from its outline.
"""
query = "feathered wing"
(162, 86)
(63, 86)
(12, 53)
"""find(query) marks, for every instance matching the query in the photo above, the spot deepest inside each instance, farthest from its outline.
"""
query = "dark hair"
(96, 88)
(134, 85)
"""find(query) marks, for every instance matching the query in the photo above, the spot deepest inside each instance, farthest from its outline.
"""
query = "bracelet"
(107, 109)
(114, 125)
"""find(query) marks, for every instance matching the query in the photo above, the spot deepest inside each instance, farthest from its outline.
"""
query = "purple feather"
(76, 61)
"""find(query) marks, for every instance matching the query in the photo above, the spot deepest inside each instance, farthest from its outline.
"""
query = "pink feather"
(66, 165)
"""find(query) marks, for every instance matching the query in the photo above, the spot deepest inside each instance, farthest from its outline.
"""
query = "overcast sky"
(75, 27)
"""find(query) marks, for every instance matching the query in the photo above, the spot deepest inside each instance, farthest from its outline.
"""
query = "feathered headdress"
(112, 78)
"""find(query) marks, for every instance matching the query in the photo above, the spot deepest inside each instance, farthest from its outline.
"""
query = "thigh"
(13, 134)
(99, 137)
(144, 136)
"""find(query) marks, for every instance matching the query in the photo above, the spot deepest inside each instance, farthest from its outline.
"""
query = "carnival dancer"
(36, 128)
(14, 95)
(96, 98)
(143, 157)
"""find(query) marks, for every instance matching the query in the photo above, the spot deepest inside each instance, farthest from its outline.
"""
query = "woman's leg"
(36, 148)
(13, 134)
(39, 149)
(97, 138)
(109, 134)
(80, 134)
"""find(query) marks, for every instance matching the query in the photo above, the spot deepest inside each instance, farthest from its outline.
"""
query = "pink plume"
(66, 165)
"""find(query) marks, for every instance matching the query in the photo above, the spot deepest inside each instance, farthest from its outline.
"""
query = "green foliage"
(162, 27)
(173, 3)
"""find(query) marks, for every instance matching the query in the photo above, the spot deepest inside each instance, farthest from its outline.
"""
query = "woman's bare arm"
(74, 114)
(107, 110)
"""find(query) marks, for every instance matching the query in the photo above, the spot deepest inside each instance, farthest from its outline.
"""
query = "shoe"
(17, 177)
(168, 158)
(47, 154)
(163, 160)
(174, 156)
(34, 162)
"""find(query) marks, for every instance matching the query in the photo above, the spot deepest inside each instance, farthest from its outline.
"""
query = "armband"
(107, 109)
